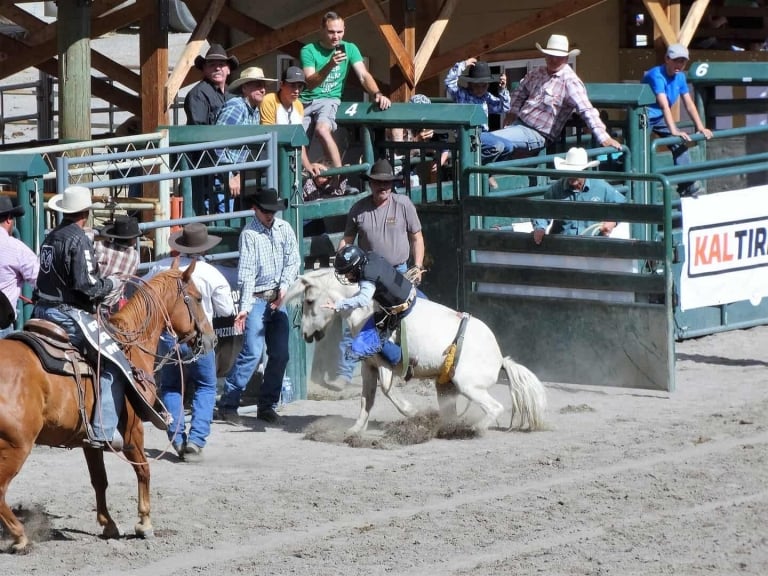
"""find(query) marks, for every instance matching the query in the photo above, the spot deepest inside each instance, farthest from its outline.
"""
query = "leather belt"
(400, 308)
(268, 295)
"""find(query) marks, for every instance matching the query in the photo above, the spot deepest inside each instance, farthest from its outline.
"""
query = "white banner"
(726, 248)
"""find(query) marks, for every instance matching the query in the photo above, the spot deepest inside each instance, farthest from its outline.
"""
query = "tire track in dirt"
(227, 551)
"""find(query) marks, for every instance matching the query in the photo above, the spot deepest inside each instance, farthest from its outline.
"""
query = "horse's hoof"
(144, 532)
(20, 549)
(111, 532)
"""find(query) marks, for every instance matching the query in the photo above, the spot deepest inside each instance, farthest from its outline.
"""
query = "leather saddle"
(52, 346)
(58, 356)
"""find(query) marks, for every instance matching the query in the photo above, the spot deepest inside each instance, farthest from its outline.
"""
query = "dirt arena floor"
(622, 482)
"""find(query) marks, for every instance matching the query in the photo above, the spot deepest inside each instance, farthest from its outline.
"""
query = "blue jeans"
(346, 366)
(201, 375)
(5, 331)
(492, 147)
(520, 138)
(111, 385)
(263, 326)
(680, 156)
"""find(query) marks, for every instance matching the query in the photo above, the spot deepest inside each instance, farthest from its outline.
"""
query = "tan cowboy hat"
(557, 45)
(8, 209)
(74, 199)
(252, 74)
(575, 159)
(193, 239)
(217, 52)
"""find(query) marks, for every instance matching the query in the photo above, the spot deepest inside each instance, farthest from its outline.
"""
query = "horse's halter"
(198, 350)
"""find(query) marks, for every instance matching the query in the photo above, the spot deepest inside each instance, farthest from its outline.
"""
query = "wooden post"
(403, 20)
(74, 46)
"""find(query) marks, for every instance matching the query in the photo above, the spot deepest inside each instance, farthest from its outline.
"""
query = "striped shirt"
(18, 264)
(545, 102)
(491, 104)
(269, 259)
(236, 112)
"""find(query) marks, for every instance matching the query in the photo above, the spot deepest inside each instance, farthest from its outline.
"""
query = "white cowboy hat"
(73, 199)
(252, 74)
(575, 159)
(557, 45)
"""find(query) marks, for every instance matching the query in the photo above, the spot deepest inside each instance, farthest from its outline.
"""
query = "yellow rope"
(447, 368)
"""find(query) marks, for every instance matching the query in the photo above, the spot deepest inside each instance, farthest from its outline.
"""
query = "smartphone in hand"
(341, 48)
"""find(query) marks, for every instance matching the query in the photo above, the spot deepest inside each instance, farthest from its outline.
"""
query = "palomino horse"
(431, 329)
(41, 408)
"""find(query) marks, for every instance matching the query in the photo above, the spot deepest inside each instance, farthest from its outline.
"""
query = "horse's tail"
(529, 399)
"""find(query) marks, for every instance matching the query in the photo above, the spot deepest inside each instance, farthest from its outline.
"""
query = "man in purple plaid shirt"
(546, 98)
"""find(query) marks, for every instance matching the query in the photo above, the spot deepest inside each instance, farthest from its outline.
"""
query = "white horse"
(431, 329)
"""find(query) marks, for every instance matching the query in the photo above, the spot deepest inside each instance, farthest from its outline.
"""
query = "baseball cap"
(294, 74)
(677, 51)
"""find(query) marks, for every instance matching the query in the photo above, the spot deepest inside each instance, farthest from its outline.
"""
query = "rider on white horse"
(381, 283)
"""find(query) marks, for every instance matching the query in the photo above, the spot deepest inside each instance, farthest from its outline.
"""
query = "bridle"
(197, 334)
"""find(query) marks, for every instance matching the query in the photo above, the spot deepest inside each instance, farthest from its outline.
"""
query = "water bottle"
(286, 393)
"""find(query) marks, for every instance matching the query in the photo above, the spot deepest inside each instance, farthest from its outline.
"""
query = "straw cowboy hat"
(557, 45)
(252, 74)
(479, 73)
(74, 199)
(266, 199)
(123, 228)
(381, 171)
(193, 239)
(575, 159)
(8, 209)
(216, 52)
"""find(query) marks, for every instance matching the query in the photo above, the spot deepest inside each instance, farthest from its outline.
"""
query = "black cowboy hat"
(193, 239)
(123, 228)
(479, 73)
(381, 171)
(217, 52)
(8, 209)
(266, 199)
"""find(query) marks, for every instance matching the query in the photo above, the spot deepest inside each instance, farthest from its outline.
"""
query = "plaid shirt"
(114, 259)
(236, 112)
(545, 102)
(269, 259)
(491, 104)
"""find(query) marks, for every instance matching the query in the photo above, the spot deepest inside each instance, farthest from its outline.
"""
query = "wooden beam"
(692, 21)
(191, 51)
(509, 33)
(115, 71)
(431, 39)
(387, 31)
(659, 17)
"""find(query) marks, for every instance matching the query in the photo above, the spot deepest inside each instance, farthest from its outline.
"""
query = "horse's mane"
(323, 279)
(144, 310)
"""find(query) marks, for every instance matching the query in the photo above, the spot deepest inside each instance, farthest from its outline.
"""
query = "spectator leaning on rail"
(472, 88)
(18, 264)
(545, 100)
(326, 64)
(242, 110)
(576, 190)
(668, 83)
(202, 105)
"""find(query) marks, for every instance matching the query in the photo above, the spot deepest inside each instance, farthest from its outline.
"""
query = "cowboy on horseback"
(69, 287)
(381, 283)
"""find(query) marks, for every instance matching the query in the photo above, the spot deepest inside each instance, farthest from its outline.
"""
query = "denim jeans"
(5, 331)
(264, 326)
(201, 376)
(111, 385)
(492, 147)
(520, 138)
(680, 156)
(346, 366)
